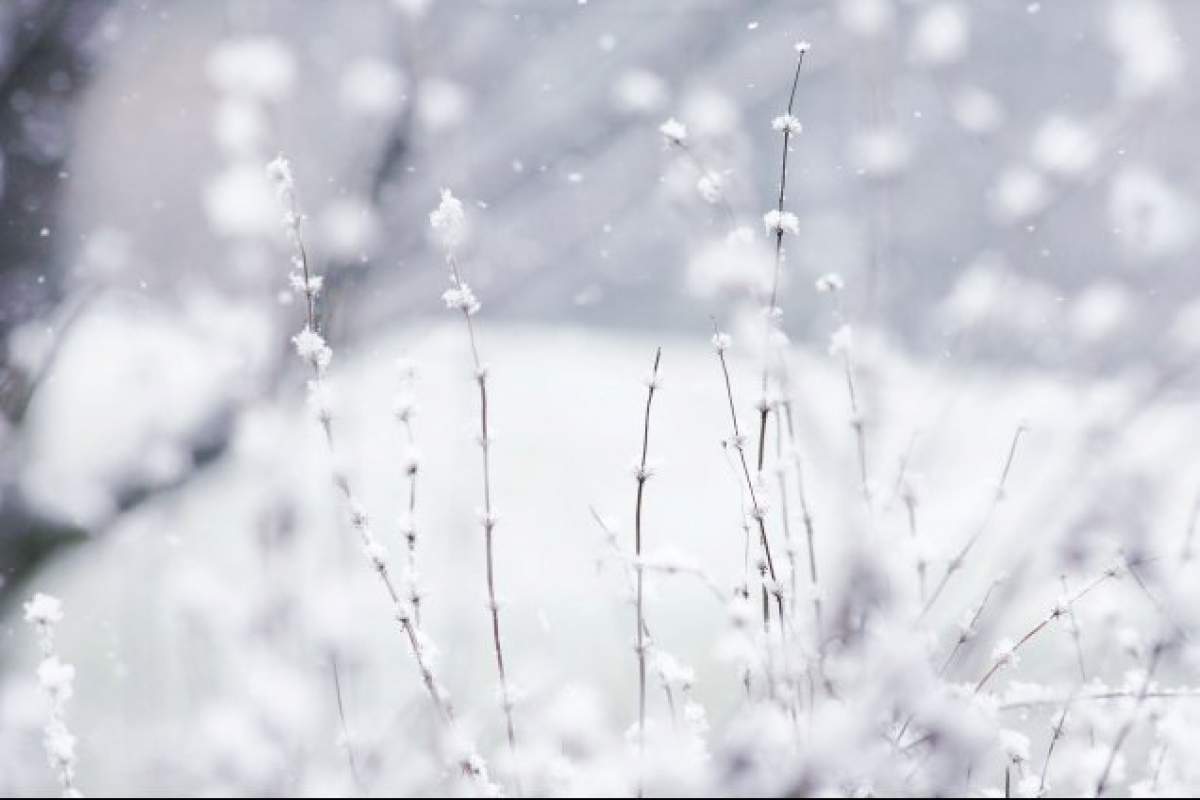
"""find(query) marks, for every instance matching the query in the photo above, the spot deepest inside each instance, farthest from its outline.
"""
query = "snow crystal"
(639, 91)
(1144, 37)
(373, 88)
(941, 35)
(880, 153)
(867, 18)
(1065, 146)
(1151, 218)
(261, 67)
(1019, 193)
(977, 110)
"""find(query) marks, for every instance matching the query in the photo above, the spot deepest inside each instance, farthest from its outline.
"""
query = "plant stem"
(956, 563)
(757, 511)
(642, 476)
(489, 516)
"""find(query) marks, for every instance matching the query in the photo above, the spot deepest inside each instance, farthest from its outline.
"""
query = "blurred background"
(1008, 188)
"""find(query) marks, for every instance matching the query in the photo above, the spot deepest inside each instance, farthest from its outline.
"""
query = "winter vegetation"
(800, 403)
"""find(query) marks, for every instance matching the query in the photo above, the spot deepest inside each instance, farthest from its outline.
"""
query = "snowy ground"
(169, 612)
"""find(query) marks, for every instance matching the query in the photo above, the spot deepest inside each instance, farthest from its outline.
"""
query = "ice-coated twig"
(448, 221)
(57, 681)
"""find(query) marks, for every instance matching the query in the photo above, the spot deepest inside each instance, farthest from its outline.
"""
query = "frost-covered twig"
(1127, 728)
(721, 342)
(805, 512)
(405, 408)
(448, 222)
(1189, 534)
(641, 475)
(347, 742)
(1055, 735)
(965, 634)
(1006, 654)
(957, 561)
(313, 350)
(57, 680)
(778, 222)
(675, 135)
(841, 345)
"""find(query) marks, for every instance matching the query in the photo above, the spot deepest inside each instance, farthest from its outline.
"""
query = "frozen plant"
(449, 222)
(57, 680)
(314, 352)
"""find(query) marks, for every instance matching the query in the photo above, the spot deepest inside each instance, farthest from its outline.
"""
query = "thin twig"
(757, 511)
(489, 516)
(772, 306)
(956, 563)
(341, 710)
(1127, 727)
(642, 476)
(1058, 611)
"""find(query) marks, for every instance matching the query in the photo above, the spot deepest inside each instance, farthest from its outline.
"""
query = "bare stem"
(1056, 612)
(773, 303)
(412, 468)
(1054, 737)
(757, 511)
(642, 475)
(341, 709)
(489, 515)
(806, 514)
(1127, 727)
(956, 563)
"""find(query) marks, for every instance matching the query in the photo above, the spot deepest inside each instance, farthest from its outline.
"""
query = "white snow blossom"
(57, 681)
(461, 298)
(674, 131)
(710, 185)
(449, 221)
(279, 170)
(721, 341)
(830, 282)
(779, 222)
(43, 610)
(786, 123)
(841, 341)
(311, 348)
